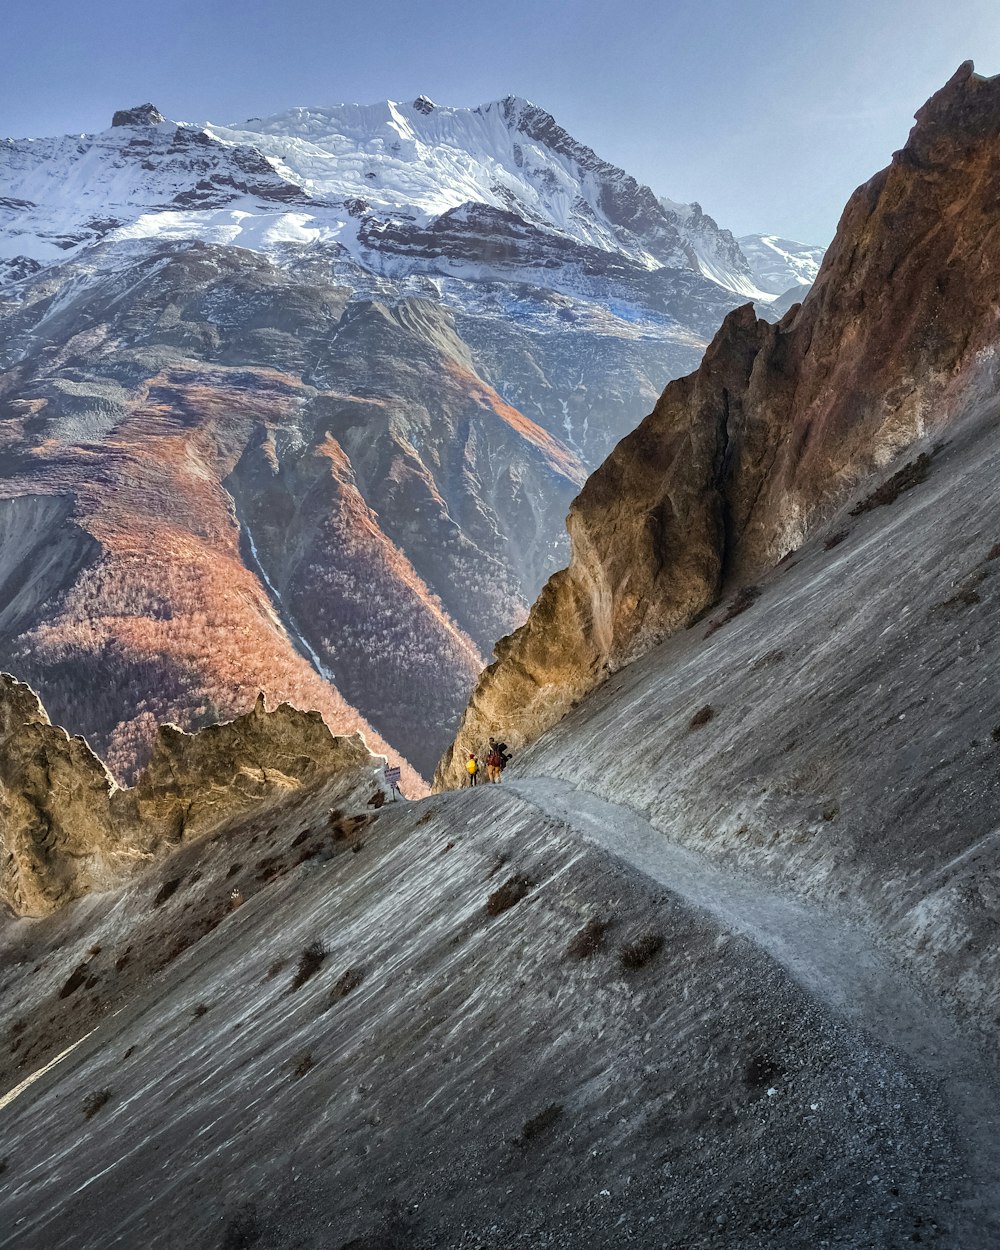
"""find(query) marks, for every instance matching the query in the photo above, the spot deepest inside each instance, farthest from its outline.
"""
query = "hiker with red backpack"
(497, 757)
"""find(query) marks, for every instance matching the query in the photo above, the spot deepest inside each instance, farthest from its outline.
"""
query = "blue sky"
(769, 114)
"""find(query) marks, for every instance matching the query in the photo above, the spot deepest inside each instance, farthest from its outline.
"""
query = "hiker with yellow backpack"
(472, 768)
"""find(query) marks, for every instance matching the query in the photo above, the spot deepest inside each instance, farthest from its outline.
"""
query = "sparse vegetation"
(538, 1124)
(636, 954)
(766, 660)
(835, 540)
(994, 552)
(510, 893)
(589, 940)
(995, 735)
(346, 982)
(76, 978)
(199, 1010)
(346, 827)
(909, 476)
(310, 962)
(302, 1064)
(966, 595)
(274, 968)
(702, 717)
(167, 889)
(95, 1100)
(744, 598)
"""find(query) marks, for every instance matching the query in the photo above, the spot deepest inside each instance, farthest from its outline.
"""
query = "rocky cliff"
(67, 828)
(778, 425)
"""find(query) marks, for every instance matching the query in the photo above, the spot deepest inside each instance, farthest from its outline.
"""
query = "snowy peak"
(713, 252)
(423, 160)
(779, 264)
(355, 173)
(65, 193)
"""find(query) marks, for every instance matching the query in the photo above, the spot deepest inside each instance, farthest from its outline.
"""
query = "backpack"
(495, 759)
(471, 767)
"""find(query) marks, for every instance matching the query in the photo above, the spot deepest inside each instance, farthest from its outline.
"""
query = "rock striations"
(778, 425)
(67, 828)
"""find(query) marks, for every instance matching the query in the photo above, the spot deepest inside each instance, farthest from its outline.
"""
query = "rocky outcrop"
(141, 115)
(779, 424)
(67, 828)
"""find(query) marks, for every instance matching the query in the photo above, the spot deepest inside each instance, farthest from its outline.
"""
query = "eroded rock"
(67, 828)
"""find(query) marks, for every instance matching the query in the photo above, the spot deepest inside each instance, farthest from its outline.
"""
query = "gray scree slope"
(808, 1059)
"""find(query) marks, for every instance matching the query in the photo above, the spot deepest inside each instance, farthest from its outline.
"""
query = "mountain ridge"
(290, 157)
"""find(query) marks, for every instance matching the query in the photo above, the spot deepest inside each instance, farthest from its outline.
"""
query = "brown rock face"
(66, 828)
(778, 425)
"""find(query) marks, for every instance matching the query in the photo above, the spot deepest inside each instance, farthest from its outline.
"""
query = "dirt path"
(832, 957)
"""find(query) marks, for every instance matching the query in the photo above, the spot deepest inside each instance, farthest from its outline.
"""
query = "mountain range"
(299, 404)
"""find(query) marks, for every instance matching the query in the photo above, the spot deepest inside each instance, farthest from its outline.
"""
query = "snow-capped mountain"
(352, 175)
(316, 390)
(778, 265)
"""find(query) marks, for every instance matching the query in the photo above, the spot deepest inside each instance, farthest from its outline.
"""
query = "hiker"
(472, 768)
(497, 757)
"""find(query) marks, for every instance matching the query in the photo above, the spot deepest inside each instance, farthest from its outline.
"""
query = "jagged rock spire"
(141, 115)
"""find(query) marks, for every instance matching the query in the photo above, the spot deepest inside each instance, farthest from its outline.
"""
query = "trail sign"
(392, 779)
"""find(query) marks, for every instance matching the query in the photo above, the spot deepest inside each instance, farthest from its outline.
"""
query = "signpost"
(392, 780)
